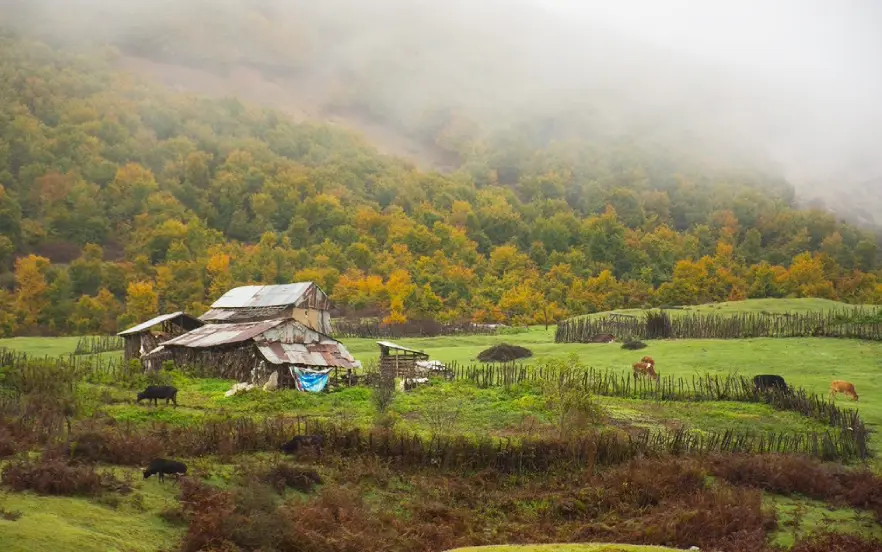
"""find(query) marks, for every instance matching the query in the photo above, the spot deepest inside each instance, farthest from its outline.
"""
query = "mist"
(791, 86)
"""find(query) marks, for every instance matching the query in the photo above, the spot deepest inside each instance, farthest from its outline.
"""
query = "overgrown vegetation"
(119, 200)
(669, 502)
(54, 476)
(454, 463)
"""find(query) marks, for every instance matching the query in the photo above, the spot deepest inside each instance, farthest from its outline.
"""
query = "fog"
(792, 86)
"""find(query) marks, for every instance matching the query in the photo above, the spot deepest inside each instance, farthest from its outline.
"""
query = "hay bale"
(504, 353)
(633, 345)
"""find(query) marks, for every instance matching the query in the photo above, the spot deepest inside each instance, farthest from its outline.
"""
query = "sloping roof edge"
(323, 354)
(390, 345)
(155, 321)
(214, 335)
(263, 295)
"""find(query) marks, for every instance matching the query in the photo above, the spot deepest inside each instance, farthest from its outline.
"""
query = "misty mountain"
(453, 84)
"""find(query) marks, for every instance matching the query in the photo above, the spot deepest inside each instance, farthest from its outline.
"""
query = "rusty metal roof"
(214, 335)
(144, 326)
(327, 353)
(232, 315)
(262, 296)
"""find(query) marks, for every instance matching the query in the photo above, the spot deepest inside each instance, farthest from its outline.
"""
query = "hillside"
(122, 199)
(505, 87)
(752, 306)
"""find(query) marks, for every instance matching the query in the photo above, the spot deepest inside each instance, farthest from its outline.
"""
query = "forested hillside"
(120, 199)
(481, 84)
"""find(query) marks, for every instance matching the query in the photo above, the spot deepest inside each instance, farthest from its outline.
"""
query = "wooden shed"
(145, 337)
(239, 351)
(397, 361)
(304, 302)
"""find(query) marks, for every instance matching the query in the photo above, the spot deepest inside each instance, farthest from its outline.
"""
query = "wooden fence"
(846, 324)
(91, 345)
(844, 422)
(847, 438)
(372, 329)
(232, 436)
(603, 447)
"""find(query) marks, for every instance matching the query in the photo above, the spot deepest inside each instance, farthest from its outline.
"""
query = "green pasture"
(806, 362)
(811, 363)
(41, 346)
(755, 306)
(127, 523)
(133, 523)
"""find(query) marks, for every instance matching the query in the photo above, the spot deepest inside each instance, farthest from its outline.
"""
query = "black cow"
(156, 392)
(769, 383)
(299, 441)
(165, 467)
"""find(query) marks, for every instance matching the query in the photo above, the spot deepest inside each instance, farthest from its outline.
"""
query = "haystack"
(504, 353)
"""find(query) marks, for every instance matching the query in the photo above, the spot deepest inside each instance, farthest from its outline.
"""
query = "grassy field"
(516, 412)
(131, 524)
(134, 523)
(756, 306)
(41, 346)
(811, 363)
(799, 517)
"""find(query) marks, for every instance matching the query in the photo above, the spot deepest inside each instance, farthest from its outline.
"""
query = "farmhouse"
(252, 350)
(144, 337)
(304, 302)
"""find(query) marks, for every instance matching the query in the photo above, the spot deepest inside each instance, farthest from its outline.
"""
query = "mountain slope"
(121, 199)
(466, 83)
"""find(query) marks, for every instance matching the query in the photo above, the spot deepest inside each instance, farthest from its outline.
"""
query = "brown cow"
(839, 386)
(648, 360)
(645, 369)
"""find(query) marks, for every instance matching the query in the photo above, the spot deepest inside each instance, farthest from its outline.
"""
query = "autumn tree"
(32, 296)
(142, 303)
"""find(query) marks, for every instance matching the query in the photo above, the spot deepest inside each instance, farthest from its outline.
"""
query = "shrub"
(386, 421)
(173, 516)
(10, 515)
(836, 542)
(792, 474)
(282, 476)
(53, 476)
(383, 392)
(633, 345)
(115, 446)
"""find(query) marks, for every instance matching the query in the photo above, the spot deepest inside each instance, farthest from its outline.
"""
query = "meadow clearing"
(146, 518)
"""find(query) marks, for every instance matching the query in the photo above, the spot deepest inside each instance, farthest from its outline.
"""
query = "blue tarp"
(309, 380)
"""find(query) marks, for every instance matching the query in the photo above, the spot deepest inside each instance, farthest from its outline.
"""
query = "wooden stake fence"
(856, 324)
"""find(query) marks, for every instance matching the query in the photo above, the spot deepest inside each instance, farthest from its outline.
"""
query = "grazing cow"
(295, 444)
(602, 338)
(645, 369)
(648, 360)
(165, 467)
(769, 383)
(839, 386)
(156, 392)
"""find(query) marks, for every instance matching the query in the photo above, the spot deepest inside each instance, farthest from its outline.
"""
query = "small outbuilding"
(399, 362)
(304, 302)
(250, 350)
(143, 338)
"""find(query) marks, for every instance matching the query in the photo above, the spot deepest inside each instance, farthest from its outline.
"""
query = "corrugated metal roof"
(327, 353)
(213, 335)
(262, 296)
(232, 315)
(390, 345)
(155, 322)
